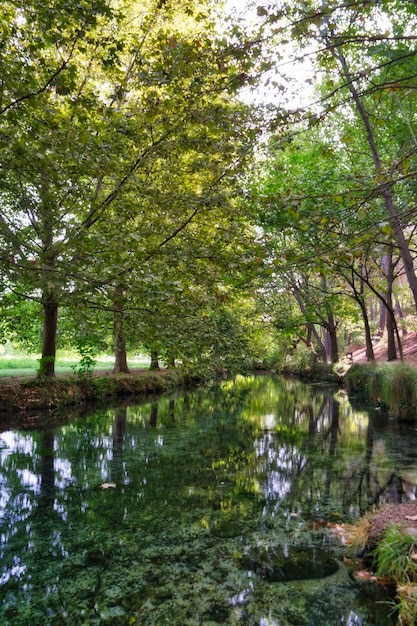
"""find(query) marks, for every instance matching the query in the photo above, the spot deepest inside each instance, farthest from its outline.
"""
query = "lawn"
(28, 365)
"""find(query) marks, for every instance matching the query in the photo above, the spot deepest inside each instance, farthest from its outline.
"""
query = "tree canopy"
(149, 201)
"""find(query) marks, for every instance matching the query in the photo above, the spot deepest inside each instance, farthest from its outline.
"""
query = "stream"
(212, 506)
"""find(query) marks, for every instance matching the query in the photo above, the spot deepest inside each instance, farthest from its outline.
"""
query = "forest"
(214, 185)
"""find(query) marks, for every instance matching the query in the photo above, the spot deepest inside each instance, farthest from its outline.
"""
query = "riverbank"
(386, 542)
(32, 394)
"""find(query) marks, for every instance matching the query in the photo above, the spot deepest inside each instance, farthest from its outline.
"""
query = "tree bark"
(120, 352)
(310, 325)
(50, 325)
(331, 327)
(368, 335)
(154, 361)
(389, 271)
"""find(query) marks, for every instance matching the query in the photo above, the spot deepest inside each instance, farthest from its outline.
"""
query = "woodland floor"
(409, 344)
(403, 515)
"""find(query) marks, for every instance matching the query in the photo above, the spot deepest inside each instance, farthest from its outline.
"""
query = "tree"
(366, 50)
(110, 100)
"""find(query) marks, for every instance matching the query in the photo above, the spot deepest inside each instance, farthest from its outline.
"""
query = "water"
(204, 508)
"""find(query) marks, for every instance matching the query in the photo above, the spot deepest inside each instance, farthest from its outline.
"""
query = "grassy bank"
(387, 543)
(61, 392)
(393, 387)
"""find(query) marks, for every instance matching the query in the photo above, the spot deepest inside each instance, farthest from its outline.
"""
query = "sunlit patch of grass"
(28, 366)
(356, 535)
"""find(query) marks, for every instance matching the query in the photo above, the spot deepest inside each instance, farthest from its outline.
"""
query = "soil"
(409, 346)
(402, 515)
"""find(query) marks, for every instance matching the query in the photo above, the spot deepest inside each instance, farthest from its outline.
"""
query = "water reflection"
(145, 514)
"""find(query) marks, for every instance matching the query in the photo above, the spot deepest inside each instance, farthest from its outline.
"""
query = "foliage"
(331, 193)
(121, 144)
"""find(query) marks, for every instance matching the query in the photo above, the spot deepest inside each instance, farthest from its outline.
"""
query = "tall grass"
(390, 386)
(395, 558)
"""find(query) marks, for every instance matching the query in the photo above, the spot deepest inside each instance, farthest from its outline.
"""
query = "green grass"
(391, 386)
(27, 366)
(393, 556)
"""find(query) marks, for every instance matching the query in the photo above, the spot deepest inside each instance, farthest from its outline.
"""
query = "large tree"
(106, 100)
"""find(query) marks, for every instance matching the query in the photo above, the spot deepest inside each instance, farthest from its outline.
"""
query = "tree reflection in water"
(170, 512)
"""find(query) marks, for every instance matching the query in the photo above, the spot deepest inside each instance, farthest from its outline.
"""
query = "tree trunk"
(389, 271)
(382, 319)
(154, 361)
(50, 325)
(120, 353)
(368, 336)
(401, 317)
(310, 325)
(332, 335)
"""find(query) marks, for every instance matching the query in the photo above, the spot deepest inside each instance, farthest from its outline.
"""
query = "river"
(213, 506)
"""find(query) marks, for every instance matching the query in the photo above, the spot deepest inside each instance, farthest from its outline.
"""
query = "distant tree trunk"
(154, 360)
(401, 317)
(368, 336)
(120, 352)
(331, 328)
(389, 272)
(330, 325)
(50, 325)
(372, 309)
(310, 325)
(382, 319)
